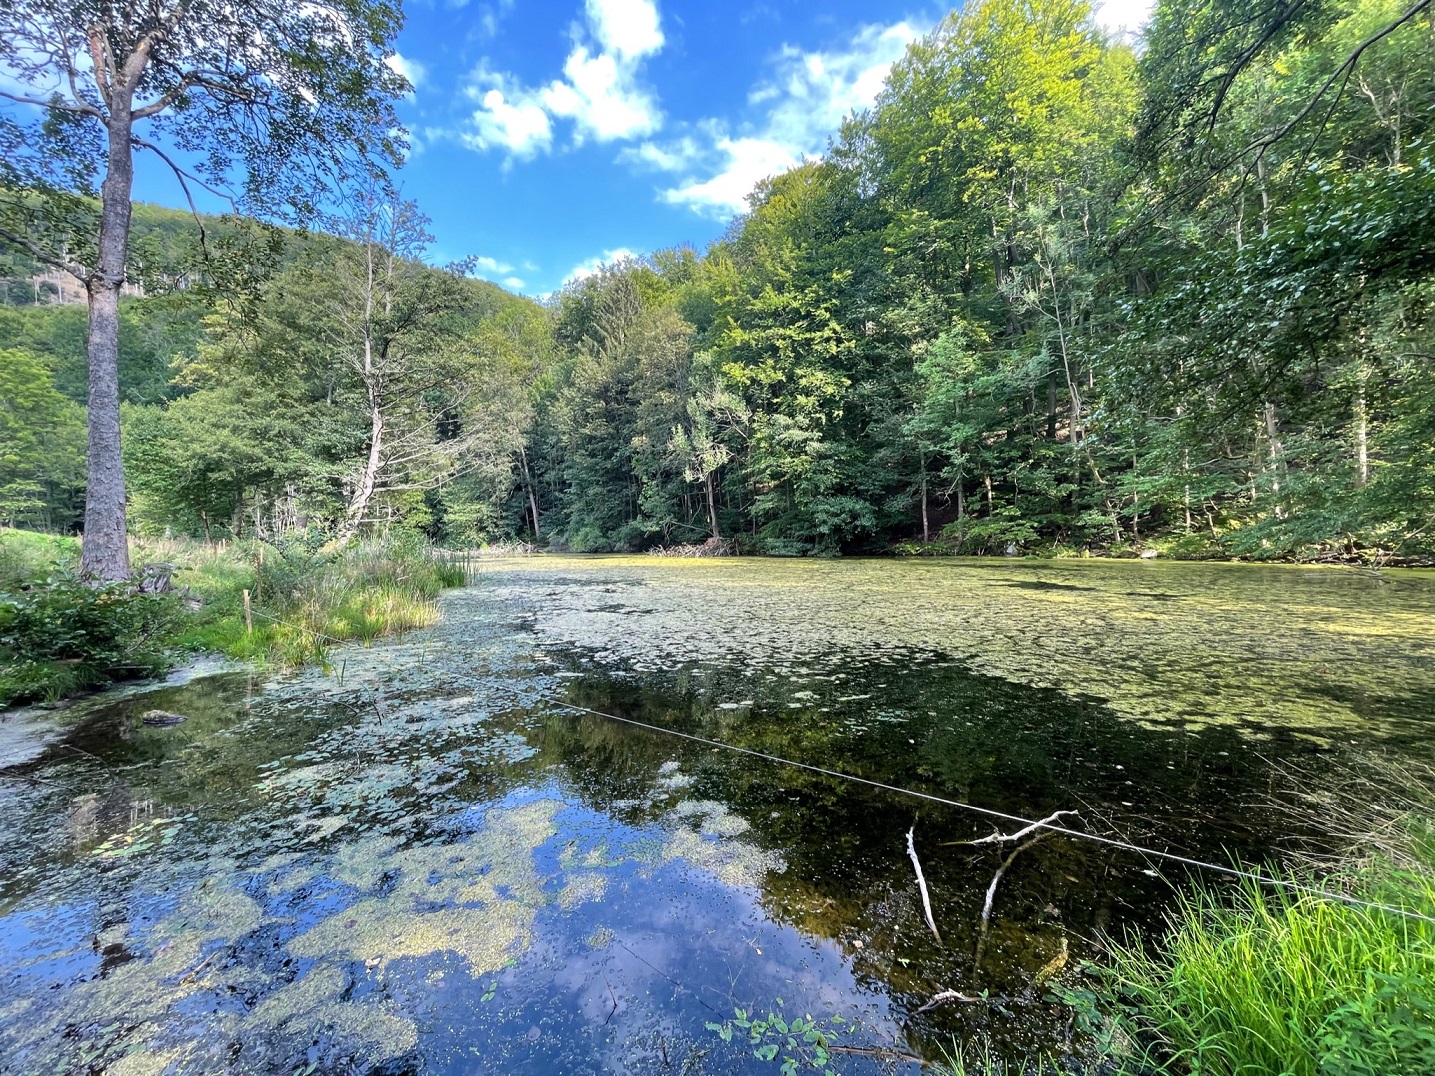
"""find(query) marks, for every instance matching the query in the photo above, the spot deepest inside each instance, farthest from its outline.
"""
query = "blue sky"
(551, 135)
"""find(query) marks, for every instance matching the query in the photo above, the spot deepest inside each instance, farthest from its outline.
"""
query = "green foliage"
(42, 444)
(60, 635)
(27, 557)
(1282, 982)
(801, 1042)
(1045, 294)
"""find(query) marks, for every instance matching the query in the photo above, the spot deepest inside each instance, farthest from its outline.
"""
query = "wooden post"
(248, 616)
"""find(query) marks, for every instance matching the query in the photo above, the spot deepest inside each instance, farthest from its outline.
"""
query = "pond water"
(425, 859)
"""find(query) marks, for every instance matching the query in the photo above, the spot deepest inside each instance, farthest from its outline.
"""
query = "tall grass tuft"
(977, 1059)
(1280, 981)
(306, 597)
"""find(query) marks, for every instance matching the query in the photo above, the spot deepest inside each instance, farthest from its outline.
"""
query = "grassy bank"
(59, 637)
(1281, 981)
(305, 598)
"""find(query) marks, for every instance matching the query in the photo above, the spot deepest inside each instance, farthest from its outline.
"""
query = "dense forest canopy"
(1050, 290)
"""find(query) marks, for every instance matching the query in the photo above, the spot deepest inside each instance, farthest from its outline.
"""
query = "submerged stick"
(996, 879)
(950, 995)
(922, 884)
(992, 892)
(1003, 838)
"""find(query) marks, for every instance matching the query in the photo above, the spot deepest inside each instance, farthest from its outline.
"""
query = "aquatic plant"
(801, 1041)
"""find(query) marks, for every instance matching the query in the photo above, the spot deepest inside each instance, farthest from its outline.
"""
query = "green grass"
(26, 556)
(304, 599)
(977, 1059)
(65, 638)
(1290, 983)
(1280, 981)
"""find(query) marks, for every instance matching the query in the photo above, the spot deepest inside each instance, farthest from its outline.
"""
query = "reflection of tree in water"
(930, 724)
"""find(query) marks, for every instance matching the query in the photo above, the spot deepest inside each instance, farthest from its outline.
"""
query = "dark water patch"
(1043, 584)
(423, 863)
(942, 729)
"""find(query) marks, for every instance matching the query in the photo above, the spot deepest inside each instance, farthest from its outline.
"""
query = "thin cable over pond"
(1051, 827)
(1112, 842)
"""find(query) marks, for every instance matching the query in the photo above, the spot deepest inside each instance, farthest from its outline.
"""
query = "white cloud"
(601, 97)
(583, 270)
(513, 283)
(626, 28)
(803, 103)
(508, 117)
(1118, 16)
(491, 266)
(600, 91)
(412, 70)
(745, 163)
(815, 91)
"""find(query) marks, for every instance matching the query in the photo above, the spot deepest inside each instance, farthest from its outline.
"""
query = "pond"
(438, 855)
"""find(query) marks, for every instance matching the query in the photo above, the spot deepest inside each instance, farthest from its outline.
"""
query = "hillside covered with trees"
(1051, 291)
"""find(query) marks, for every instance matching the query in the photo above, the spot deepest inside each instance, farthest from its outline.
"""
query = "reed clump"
(1283, 981)
(306, 597)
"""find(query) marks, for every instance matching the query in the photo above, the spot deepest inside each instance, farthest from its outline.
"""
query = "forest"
(1057, 294)
(1052, 292)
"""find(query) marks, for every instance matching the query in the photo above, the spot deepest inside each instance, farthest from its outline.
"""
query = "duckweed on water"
(1323, 649)
(427, 862)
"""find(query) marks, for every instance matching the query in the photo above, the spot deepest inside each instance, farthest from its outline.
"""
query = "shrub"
(60, 636)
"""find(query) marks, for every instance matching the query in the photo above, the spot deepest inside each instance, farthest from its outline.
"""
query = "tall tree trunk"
(532, 500)
(364, 492)
(712, 506)
(926, 525)
(1277, 454)
(1362, 430)
(105, 553)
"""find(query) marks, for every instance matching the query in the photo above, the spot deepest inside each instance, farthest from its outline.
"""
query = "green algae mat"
(424, 859)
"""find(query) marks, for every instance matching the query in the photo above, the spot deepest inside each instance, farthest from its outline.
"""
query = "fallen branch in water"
(1003, 838)
(613, 994)
(996, 879)
(922, 884)
(882, 1053)
(199, 967)
(951, 995)
(992, 892)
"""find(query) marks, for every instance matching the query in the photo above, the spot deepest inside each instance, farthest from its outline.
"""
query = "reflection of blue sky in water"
(526, 933)
(415, 861)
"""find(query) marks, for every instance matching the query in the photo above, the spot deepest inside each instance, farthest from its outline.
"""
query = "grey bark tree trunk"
(105, 553)
(364, 492)
(712, 506)
(532, 499)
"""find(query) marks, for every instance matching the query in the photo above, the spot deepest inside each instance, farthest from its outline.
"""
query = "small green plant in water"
(802, 1042)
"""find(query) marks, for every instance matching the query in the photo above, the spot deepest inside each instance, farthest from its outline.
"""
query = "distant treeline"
(1050, 291)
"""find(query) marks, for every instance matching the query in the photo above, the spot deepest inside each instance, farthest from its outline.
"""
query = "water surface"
(425, 859)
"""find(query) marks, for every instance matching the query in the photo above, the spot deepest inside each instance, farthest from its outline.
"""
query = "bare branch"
(79, 272)
(1003, 838)
(922, 883)
(56, 103)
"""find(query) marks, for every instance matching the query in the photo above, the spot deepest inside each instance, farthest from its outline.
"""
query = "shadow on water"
(926, 723)
(435, 866)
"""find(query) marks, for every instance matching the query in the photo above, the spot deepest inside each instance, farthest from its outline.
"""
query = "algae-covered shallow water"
(425, 860)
